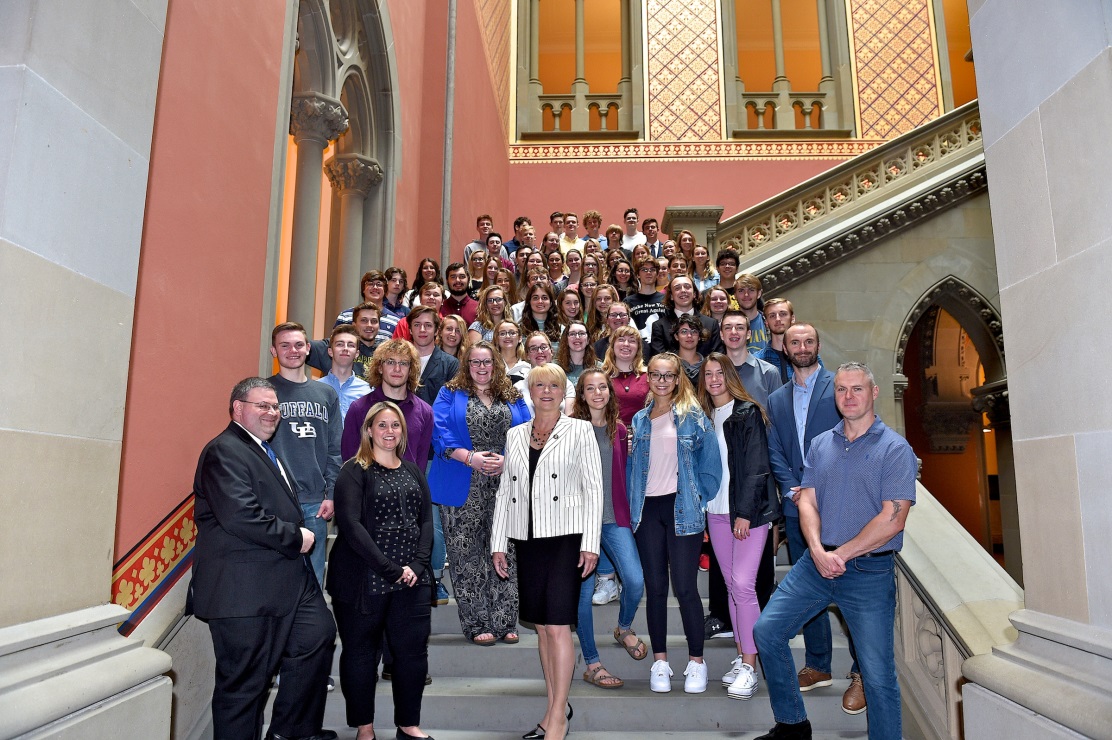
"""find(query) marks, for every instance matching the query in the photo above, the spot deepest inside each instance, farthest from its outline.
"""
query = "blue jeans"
(604, 567)
(319, 528)
(618, 543)
(866, 595)
(439, 552)
(816, 633)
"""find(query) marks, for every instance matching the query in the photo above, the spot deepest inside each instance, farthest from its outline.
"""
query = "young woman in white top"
(742, 510)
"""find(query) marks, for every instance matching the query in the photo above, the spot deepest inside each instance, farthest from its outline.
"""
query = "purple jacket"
(618, 491)
(418, 421)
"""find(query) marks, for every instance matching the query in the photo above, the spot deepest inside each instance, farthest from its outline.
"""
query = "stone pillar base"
(74, 675)
(1053, 682)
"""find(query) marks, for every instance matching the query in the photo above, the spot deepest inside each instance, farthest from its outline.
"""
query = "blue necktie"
(272, 456)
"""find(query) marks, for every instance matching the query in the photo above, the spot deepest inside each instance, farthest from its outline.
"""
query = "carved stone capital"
(317, 117)
(947, 424)
(353, 172)
(899, 385)
(992, 399)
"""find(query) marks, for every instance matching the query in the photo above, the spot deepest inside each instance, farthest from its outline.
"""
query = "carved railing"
(776, 111)
(953, 602)
(562, 107)
(950, 143)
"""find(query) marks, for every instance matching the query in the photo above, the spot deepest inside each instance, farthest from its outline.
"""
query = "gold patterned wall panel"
(494, 22)
(895, 63)
(683, 70)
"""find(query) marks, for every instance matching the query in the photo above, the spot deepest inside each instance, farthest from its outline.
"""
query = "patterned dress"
(486, 602)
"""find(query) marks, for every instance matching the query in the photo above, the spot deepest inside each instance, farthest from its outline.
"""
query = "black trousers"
(404, 619)
(662, 551)
(250, 650)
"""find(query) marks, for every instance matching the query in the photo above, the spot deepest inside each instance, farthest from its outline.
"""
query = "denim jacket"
(700, 468)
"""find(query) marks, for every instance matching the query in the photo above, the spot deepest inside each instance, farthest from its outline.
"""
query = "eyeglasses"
(403, 364)
(576, 334)
(666, 377)
(481, 363)
(537, 348)
(496, 299)
(687, 332)
(620, 316)
(507, 334)
(263, 406)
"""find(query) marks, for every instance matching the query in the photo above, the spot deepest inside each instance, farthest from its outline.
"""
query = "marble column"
(625, 83)
(580, 116)
(315, 120)
(785, 114)
(352, 177)
(536, 118)
(1048, 172)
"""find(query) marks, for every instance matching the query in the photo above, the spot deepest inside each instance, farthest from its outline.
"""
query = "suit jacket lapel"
(556, 439)
(822, 384)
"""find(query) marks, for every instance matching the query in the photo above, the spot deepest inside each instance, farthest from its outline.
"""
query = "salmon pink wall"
(650, 186)
(480, 164)
(199, 301)
(421, 71)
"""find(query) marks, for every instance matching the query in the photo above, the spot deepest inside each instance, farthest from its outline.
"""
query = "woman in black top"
(379, 573)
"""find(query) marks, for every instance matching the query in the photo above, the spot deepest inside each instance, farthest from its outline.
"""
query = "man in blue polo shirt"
(858, 485)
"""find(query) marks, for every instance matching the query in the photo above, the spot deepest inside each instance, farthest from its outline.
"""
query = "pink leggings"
(739, 560)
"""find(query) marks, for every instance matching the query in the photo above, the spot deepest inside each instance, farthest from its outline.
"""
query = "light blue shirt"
(801, 402)
(349, 391)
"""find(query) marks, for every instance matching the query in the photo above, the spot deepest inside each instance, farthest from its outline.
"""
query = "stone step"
(507, 705)
(445, 619)
(637, 735)
(452, 655)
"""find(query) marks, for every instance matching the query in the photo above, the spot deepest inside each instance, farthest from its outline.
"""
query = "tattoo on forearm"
(896, 507)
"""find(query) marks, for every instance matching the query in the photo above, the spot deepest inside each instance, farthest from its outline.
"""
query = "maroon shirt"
(465, 306)
(633, 400)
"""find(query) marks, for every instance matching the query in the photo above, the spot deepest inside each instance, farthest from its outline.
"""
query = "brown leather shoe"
(853, 701)
(809, 678)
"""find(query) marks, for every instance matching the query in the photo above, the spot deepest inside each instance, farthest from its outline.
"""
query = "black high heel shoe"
(537, 733)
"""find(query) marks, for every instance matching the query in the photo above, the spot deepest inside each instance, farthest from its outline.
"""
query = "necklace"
(624, 379)
(539, 438)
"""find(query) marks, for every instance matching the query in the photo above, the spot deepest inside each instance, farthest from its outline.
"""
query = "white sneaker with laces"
(660, 677)
(696, 681)
(606, 590)
(730, 675)
(745, 685)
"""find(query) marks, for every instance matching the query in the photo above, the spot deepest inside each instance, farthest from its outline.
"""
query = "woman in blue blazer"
(471, 416)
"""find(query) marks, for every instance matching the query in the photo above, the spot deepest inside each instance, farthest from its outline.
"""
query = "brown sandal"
(638, 651)
(609, 681)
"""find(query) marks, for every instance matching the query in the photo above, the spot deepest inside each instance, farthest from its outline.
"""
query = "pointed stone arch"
(975, 314)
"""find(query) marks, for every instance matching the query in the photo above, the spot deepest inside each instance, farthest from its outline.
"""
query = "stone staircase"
(497, 693)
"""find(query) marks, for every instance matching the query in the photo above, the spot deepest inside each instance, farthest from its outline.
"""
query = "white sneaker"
(660, 677)
(606, 590)
(745, 685)
(696, 681)
(730, 675)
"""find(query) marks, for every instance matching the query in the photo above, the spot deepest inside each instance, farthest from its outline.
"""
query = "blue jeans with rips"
(866, 596)
(619, 544)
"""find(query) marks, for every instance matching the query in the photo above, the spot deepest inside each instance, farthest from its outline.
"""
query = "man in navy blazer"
(252, 582)
(811, 392)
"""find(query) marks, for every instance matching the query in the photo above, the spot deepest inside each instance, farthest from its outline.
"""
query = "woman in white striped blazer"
(549, 503)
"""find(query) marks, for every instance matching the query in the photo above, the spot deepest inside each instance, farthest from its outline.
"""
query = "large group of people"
(560, 420)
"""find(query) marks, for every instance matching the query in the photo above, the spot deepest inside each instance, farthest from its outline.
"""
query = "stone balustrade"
(562, 107)
(855, 185)
(953, 602)
(776, 111)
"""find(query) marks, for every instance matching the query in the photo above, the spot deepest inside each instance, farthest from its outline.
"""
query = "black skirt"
(548, 579)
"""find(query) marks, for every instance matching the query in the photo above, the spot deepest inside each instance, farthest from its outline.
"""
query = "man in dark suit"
(679, 298)
(440, 367)
(252, 582)
(810, 396)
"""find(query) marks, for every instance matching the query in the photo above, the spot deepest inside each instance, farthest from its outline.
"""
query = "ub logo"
(303, 431)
